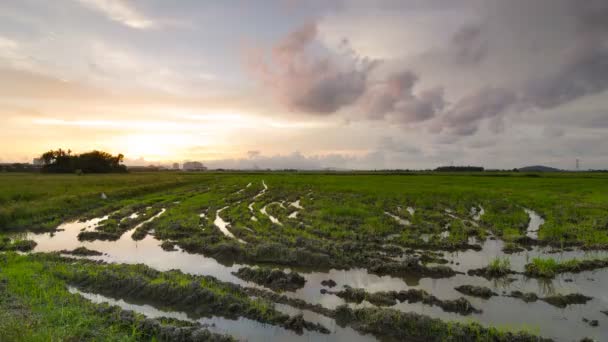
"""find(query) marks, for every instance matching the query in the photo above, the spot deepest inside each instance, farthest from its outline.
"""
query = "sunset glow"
(411, 84)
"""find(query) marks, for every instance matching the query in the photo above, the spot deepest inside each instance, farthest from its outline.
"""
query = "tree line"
(467, 168)
(61, 161)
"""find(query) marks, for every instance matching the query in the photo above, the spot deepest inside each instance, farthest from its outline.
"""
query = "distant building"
(175, 166)
(193, 166)
(38, 162)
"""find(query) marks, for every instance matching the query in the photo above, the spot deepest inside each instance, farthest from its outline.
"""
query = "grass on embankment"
(44, 278)
(549, 267)
(35, 305)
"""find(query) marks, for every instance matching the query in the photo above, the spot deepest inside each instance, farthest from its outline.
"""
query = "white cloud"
(120, 11)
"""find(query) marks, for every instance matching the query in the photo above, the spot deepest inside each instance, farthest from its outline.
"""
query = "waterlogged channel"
(223, 225)
(561, 324)
(243, 329)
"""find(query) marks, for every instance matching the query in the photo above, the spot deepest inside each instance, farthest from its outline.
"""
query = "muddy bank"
(162, 329)
(491, 273)
(476, 291)
(199, 296)
(118, 223)
(389, 298)
(411, 267)
(81, 251)
(408, 326)
(328, 283)
(272, 278)
(16, 245)
(295, 302)
(559, 300)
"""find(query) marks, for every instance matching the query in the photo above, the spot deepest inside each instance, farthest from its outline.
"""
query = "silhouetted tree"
(60, 161)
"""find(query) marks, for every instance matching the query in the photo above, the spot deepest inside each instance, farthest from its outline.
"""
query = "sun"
(152, 146)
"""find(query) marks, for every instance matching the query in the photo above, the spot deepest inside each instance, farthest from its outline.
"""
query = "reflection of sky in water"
(243, 329)
(560, 324)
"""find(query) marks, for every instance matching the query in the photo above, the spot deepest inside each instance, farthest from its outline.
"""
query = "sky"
(348, 84)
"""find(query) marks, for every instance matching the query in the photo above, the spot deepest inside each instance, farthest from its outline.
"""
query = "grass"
(36, 306)
(499, 266)
(343, 225)
(572, 204)
(550, 267)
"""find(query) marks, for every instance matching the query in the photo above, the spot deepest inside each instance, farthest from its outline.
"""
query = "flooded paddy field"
(291, 256)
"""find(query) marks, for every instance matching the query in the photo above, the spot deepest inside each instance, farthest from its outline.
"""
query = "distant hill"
(538, 168)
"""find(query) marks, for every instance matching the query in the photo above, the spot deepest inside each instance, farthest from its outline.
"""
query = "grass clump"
(272, 278)
(549, 267)
(409, 326)
(19, 245)
(499, 266)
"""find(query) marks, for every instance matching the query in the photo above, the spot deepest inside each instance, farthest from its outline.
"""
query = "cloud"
(394, 97)
(308, 82)
(488, 102)
(585, 73)
(553, 132)
(468, 45)
(552, 60)
(120, 11)
(390, 144)
(253, 154)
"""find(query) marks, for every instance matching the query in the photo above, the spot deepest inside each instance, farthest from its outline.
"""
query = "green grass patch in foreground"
(36, 306)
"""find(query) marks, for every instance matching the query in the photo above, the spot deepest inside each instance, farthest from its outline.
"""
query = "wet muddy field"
(312, 251)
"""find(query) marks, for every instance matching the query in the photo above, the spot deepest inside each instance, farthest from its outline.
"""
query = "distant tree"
(60, 161)
(459, 168)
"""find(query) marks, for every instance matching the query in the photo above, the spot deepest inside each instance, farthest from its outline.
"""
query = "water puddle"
(145, 309)
(477, 213)
(560, 324)
(399, 220)
(263, 190)
(534, 225)
(338, 333)
(272, 218)
(296, 204)
(223, 225)
(243, 329)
